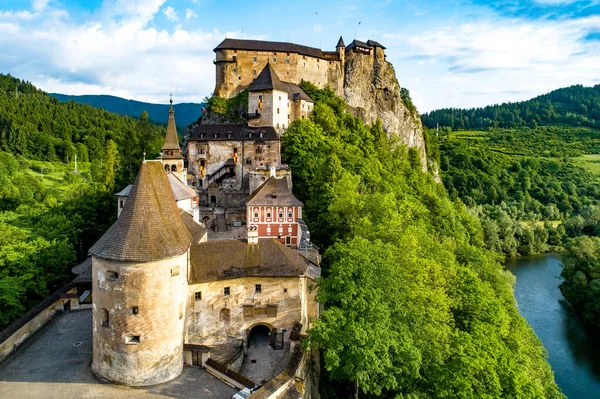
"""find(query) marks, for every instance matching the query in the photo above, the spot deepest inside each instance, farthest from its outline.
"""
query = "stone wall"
(233, 77)
(23, 328)
(142, 341)
(217, 319)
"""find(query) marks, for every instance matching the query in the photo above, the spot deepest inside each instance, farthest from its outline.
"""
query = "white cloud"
(117, 51)
(497, 60)
(317, 28)
(39, 5)
(189, 13)
(171, 14)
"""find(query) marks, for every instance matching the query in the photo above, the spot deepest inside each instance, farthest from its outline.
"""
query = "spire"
(171, 141)
(340, 43)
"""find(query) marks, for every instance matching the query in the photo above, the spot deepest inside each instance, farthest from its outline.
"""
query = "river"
(573, 354)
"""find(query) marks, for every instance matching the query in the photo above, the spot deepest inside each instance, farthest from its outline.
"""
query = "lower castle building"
(162, 297)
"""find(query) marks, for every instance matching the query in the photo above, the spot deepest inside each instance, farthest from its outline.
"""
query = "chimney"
(252, 235)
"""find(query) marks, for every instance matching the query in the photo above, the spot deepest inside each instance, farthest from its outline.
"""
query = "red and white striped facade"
(273, 221)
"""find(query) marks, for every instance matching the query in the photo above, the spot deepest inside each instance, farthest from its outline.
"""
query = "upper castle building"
(239, 62)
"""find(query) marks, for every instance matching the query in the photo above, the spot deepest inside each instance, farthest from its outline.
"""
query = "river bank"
(573, 353)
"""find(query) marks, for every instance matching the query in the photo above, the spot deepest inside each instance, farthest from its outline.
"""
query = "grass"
(590, 162)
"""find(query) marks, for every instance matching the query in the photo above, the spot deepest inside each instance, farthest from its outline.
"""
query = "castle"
(164, 292)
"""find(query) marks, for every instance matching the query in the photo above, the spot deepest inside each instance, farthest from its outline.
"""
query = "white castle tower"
(139, 271)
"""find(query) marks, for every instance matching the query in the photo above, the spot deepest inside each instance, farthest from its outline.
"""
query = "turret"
(171, 153)
(139, 269)
(341, 50)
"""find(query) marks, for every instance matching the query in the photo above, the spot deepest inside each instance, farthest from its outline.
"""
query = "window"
(173, 168)
(248, 161)
(258, 288)
(281, 215)
(287, 61)
(226, 291)
(201, 135)
(285, 290)
(274, 59)
(260, 97)
(110, 275)
(228, 135)
(258, 150)
(132, 339)
(290, 215)
(234, 70)
(304, 64)
(197, 296)
(254, 60)
(277, 110)
(255, 214)
(175, 271)
(105, 318)
(278, 126)
(235, 59)
(254, 72)
(288, 240)
(121, 203)
(279, 100)
(274, 53)
(135, 310)
(268, 214)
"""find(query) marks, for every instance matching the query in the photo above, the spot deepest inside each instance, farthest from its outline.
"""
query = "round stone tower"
(139, 271)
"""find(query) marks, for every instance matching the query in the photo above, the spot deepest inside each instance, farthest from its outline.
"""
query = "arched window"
(225, 314)
(105, 318)
(166, 168)
(173, 168)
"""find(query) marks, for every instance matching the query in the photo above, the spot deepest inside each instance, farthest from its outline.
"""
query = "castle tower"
(340, 47)
(171, 153)
(139, 269)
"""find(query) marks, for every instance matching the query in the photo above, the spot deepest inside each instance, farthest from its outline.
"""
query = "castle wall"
(208, 325)
(252, 154)
(144, 348)
(241, 67)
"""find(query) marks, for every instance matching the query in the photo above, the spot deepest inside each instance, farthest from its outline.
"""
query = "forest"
(534, 186)
(415, 305)
(571, 106)
(51, 212)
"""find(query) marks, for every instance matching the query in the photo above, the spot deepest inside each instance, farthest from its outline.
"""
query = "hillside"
(186, 113)
(415, 306)
(573, 106)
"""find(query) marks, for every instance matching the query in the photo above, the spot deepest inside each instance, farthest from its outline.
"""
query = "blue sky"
(453, 53)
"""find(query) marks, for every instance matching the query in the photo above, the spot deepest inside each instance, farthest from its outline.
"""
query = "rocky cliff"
(372, 91)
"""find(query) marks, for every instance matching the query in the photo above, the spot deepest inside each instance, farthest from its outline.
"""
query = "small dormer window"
(201, 135)
(274, 195)
(228, 135)
(216, 135)
(250, 134)
(260, 134)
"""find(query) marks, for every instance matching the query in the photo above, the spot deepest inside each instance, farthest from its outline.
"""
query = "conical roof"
(267, 79)
(340, 43)
(150, 227)
(171, 141)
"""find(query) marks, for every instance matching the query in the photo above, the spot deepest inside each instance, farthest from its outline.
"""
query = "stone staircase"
(221, 222)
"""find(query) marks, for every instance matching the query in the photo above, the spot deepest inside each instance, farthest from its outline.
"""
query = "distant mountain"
(572, 106)
(185, 113)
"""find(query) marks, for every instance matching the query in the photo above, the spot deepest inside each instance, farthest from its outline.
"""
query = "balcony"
(251, 115)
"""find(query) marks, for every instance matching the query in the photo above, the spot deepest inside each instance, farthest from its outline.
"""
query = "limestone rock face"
(373, 92)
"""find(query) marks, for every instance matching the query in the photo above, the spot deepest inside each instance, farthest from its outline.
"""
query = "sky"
(451, 53)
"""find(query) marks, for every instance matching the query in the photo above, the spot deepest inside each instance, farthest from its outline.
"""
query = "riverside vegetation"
(50, 215)
(531, 173)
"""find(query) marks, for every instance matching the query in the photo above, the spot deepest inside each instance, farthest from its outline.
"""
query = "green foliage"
(51, 215)
(574, 106)
(581, 285)
(405, 96)
(231, 110)
(415, 306)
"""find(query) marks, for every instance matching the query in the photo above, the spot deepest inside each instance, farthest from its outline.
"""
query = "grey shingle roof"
(197, 231)
(125, 192)
(180, 190)
(237, 131)
(83, 272)
(150, 227)
(262, 45)
(340, 43)
(267, 79)
(263, 196)
(357, 43)
(373, 43)
(222, 260)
